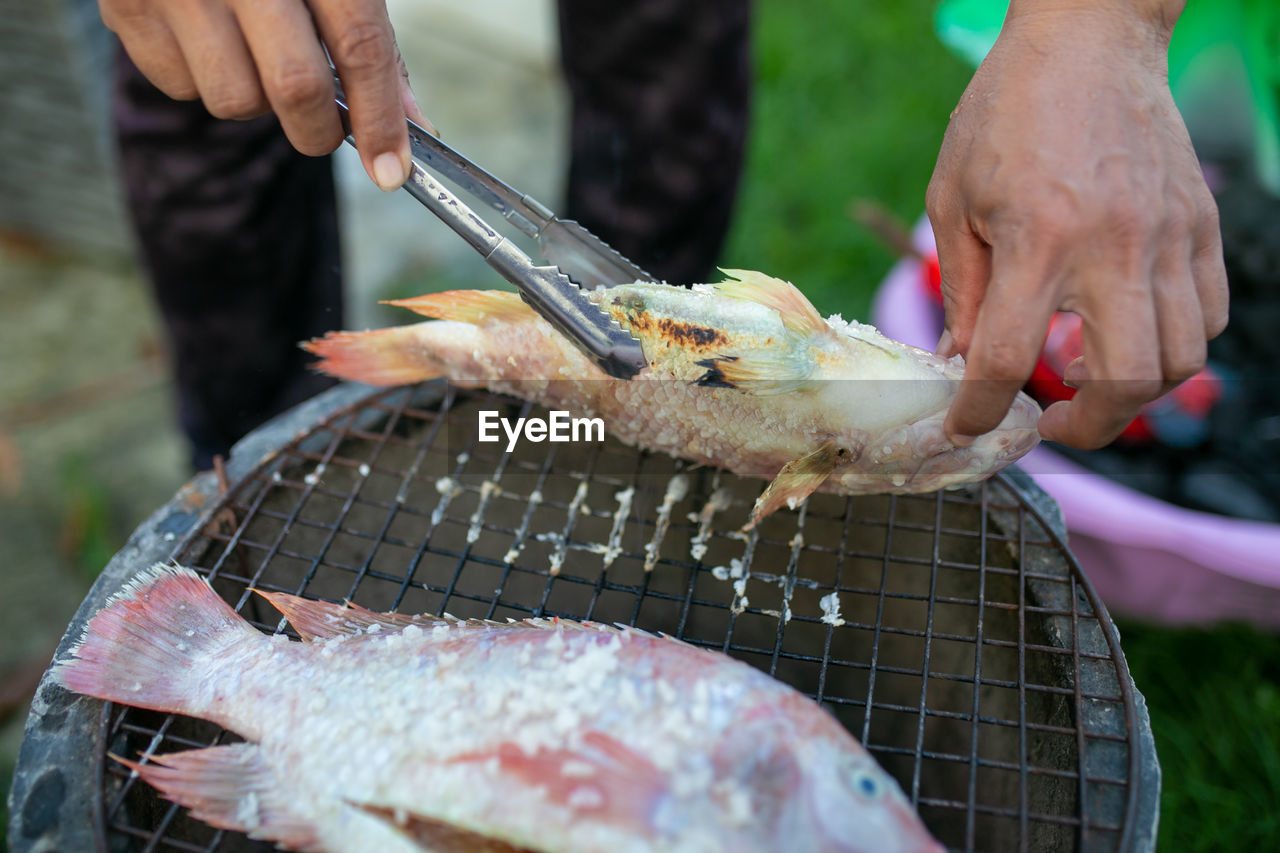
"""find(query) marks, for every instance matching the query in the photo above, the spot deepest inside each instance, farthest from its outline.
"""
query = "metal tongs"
(579, 256)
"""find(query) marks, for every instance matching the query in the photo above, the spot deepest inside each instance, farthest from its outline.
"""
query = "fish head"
(851, 805)
(885, 403)
(920, 457)
(909, 451)
(811, 786)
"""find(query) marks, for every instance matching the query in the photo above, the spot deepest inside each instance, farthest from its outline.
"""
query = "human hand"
(1067, 181)
(243, 58)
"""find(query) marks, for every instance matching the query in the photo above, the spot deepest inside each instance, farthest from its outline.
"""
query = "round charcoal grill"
(952, 633)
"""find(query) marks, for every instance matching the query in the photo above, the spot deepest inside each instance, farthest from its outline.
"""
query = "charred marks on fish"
(672, 332)
(690, 335)
(714, 377)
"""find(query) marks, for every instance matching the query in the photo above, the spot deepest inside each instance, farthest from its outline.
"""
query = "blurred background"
(851, 103)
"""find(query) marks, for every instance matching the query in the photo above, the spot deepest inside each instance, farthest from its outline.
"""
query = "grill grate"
(951, 632)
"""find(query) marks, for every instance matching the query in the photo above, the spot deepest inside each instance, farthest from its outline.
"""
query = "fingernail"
(1052, 415)
(388, 172)
(962, 440)
(420, 119)
(1074, 373)
(943, 349)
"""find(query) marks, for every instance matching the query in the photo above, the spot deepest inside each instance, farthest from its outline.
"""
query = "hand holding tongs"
(548, 290)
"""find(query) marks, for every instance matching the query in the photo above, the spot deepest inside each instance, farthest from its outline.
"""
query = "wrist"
(1149, 21)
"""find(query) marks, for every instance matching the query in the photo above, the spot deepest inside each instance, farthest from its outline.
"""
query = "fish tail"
(393, 356)
(146, 647)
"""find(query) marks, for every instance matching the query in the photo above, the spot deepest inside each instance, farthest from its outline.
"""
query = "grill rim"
(291, 430)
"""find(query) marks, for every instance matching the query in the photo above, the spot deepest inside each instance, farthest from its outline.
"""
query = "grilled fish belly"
(395, 733)
(744, 375)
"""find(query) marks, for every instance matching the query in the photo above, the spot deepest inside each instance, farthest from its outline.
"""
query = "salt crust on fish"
(396, 733)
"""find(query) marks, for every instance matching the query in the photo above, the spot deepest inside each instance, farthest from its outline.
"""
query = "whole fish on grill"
(743, 375)
(404, 734)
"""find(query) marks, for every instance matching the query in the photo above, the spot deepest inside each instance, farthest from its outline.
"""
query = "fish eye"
(865, 783)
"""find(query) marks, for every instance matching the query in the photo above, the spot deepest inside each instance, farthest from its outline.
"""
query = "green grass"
(852, 101)
(89, 536)
(1214, 697)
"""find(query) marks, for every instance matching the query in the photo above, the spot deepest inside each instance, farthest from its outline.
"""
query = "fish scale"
(743, 375)
(390, 732)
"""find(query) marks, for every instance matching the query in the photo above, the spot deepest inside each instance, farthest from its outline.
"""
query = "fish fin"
(602, 778)
(762, 372)
(437, 835)
(798, 479)
(319, 620)
(555, 623)
(392, 356)
(229, 787)
(633, 631)
(468, 306)
(146, 645)
(797, 312)
(714, 377)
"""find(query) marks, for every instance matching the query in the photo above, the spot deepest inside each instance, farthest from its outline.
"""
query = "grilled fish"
(744, 375)
(405, 734)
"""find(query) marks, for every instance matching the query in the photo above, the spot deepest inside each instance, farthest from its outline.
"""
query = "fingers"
(1143, 340)
(243, 57)
(154, 49)
(294, 72)
(1208, 269)
(964, 263)
(218, 58)
(1181, 329)
(1123, 361)
(1007, 337)
(360, 41)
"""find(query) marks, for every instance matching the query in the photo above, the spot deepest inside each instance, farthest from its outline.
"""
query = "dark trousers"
(238, 232)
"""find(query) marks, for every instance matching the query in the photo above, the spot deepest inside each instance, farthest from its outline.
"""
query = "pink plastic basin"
(1146, 558)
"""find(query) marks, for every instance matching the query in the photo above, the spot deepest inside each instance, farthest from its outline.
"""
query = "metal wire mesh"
(951, 632)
